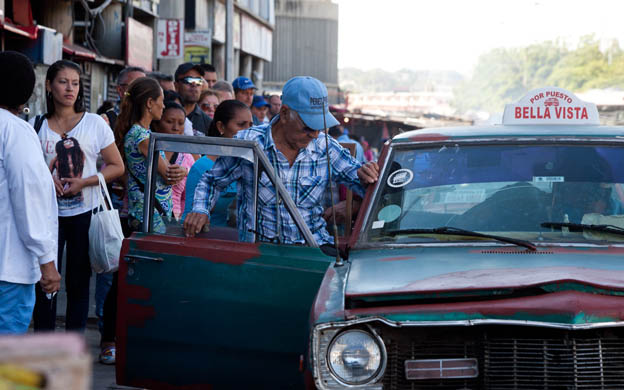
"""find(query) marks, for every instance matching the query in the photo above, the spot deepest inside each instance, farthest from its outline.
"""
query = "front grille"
(510, 357)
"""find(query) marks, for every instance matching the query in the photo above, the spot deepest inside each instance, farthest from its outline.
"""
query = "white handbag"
(105, 234)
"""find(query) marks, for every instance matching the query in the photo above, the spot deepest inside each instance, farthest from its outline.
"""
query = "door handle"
(136, 258)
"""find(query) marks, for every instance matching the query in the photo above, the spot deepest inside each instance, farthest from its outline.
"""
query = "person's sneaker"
(107, 355)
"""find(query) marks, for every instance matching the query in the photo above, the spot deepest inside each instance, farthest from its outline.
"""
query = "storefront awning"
(28, 32)
(78, 51)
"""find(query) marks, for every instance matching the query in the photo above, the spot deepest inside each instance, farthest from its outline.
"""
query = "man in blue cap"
(259, 109)
(297, 149)
(244, 90)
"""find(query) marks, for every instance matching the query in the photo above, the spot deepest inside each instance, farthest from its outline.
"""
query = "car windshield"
(505, 190)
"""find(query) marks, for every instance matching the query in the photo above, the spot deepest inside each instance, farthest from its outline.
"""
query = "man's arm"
(212, 183)
(348, 171)
(33, 201)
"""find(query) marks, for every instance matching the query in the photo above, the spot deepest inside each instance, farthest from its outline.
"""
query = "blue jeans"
(102, 285)
(16, 307)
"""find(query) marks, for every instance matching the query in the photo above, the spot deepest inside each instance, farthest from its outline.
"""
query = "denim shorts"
(16, 307)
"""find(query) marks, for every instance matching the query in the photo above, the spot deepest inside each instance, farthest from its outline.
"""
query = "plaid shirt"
(306, 181)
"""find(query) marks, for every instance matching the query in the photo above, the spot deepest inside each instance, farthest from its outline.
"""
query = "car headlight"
(354, 357)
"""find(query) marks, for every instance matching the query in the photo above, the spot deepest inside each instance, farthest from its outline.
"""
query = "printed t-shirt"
(75, 156)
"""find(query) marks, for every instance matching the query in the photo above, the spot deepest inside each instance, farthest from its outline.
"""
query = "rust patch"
(398, 258)
(429, 137)
(320, 303)
(216, 251)
(564, 302)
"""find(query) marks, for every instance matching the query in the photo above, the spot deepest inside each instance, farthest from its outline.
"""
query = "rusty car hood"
(442, 283)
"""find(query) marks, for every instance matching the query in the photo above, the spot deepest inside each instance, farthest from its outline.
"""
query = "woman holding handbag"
(71, 140)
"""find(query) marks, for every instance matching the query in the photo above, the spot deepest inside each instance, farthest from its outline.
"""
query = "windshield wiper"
(449, 230)
(579, 227)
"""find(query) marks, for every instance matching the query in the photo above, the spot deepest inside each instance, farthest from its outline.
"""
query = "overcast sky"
(451, 34)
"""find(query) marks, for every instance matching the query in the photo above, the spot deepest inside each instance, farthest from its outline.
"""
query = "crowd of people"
(70, 146)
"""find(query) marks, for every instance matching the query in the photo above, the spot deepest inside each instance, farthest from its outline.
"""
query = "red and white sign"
(170, 38)
(550, 106)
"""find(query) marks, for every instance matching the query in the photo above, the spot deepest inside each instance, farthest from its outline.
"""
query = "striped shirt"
(306, 181)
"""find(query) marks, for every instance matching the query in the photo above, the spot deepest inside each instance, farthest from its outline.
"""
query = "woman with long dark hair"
(231, 116)
(71, 140)
(143, 104)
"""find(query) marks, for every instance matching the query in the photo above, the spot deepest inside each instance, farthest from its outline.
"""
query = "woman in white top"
(71, 140)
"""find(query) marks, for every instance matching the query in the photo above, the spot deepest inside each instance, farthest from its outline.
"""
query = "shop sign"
(170, 38)
(550, 106)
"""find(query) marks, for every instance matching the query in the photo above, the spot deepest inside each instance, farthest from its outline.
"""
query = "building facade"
(253, 29)
(103, 36)
(305, 44)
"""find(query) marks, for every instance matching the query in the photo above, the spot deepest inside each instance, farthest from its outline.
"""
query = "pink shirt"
(178, 191)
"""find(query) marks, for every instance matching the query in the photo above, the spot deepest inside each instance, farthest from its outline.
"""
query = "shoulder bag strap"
(173, 158)
(38, 122)
(104, 190)
(157, 204)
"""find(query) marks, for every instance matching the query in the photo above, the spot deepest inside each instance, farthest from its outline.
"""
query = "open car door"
(210, 311)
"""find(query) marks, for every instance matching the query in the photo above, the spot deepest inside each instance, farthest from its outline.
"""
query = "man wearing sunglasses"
(296, 147)
(188, 82)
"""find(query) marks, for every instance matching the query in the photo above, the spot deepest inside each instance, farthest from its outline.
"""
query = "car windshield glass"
(506, 190)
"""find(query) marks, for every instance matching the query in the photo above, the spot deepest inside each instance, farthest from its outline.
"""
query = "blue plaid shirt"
(306, 181)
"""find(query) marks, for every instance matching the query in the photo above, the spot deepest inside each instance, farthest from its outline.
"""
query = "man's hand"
(50, 278)
(368, 173)
(194, 223)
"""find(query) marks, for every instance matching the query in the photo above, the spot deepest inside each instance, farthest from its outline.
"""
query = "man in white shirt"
(29, 224)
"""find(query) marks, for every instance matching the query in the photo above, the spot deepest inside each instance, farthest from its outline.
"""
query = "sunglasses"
(197, 81)
(208, 105)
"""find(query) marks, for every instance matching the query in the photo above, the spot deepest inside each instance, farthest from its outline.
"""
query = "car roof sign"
(550, 106)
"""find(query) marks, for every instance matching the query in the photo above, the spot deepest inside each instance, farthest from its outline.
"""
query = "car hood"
(469, 281)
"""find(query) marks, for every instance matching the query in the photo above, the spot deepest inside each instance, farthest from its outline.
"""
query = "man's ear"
(284, 113)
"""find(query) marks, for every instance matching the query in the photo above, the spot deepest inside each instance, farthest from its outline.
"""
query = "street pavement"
(103, 376)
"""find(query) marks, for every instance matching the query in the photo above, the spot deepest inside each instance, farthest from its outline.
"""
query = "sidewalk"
(103, 375)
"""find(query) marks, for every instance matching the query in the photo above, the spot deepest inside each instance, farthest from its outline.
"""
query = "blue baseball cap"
(258, 101)
(243, 82)
(307, 96)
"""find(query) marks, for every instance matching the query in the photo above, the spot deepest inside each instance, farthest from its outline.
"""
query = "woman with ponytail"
(230, 117)
(142, 104)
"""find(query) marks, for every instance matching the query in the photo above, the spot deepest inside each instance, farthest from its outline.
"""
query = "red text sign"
(550, 106)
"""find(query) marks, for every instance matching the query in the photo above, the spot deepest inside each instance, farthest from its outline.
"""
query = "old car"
(484, 258)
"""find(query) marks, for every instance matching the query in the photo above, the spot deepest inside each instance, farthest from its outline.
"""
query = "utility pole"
(229, 40)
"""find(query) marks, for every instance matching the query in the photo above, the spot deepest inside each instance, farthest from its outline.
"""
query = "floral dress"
(136, 164)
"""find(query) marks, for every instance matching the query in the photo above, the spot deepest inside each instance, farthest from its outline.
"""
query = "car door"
(210, 311)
